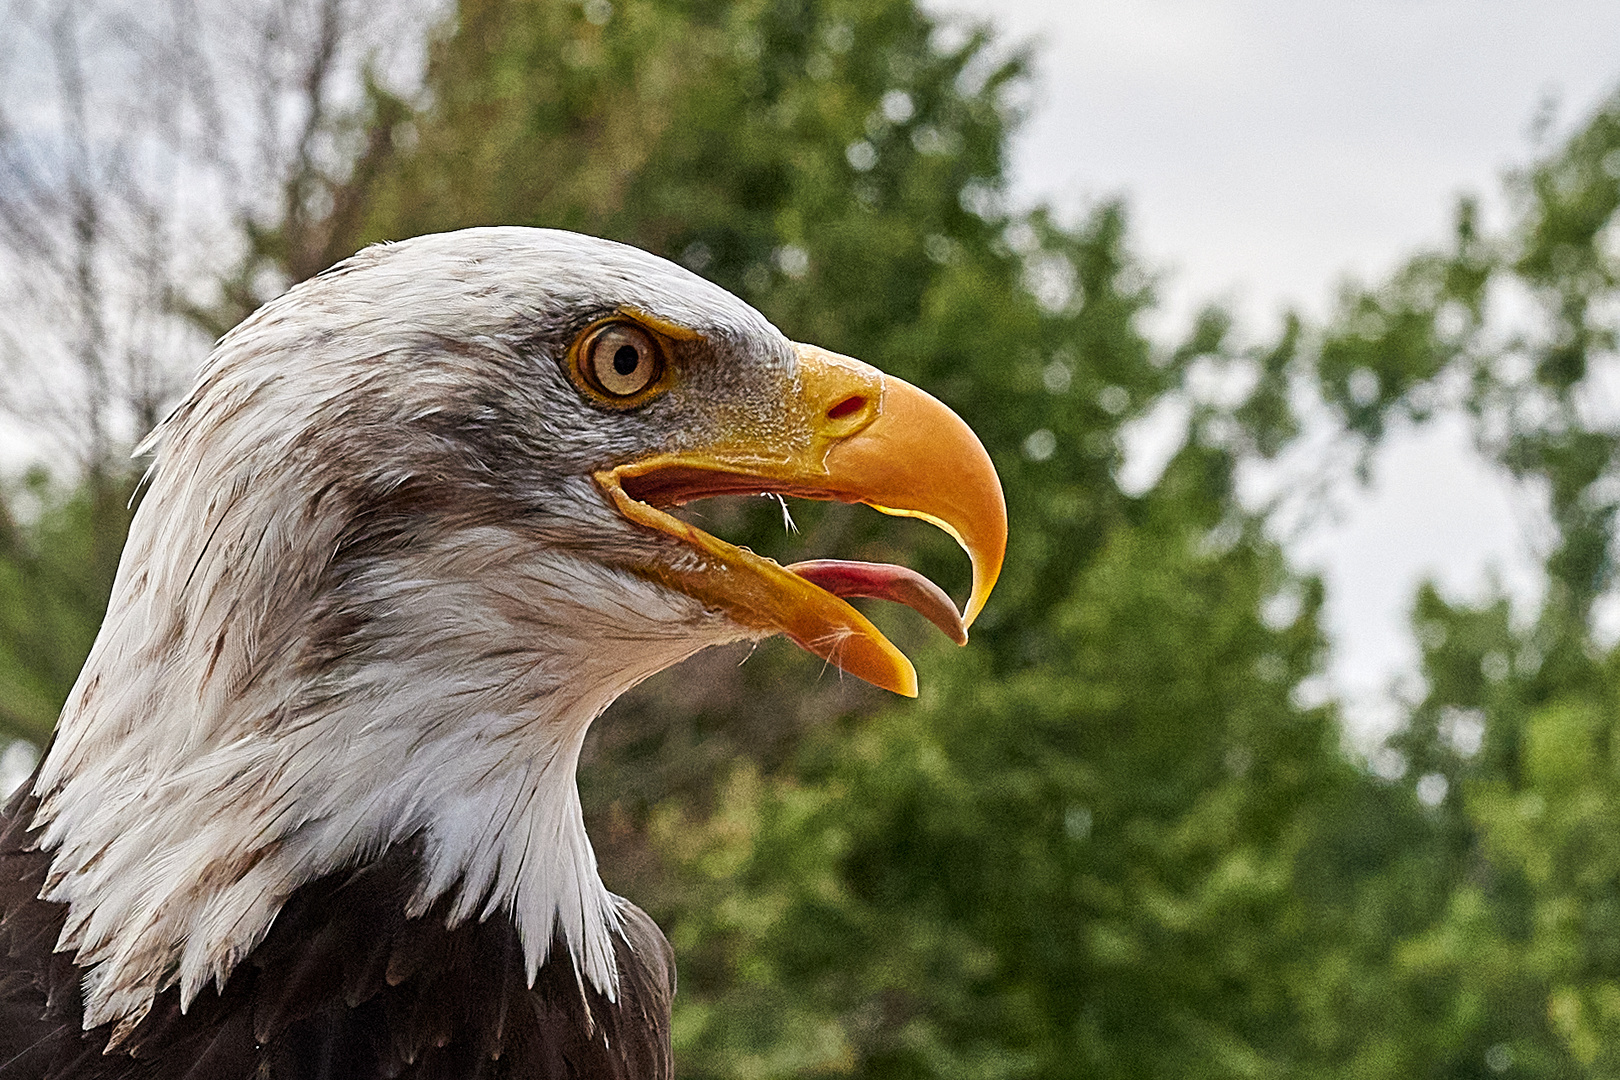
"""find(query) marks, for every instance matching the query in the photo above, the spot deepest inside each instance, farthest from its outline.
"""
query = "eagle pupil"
(626, 359)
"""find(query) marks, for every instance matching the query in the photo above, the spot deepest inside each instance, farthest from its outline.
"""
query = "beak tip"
(903, 679)
(907, 681)
(975, 605)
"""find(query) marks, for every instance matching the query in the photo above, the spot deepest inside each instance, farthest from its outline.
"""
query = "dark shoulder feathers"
(343, 987)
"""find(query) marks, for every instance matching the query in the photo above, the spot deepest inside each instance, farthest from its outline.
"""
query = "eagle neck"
(180, 819)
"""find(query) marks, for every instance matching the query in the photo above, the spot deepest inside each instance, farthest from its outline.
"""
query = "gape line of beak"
(858, 436)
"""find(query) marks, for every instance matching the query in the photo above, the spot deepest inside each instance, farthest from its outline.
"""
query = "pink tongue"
(884, 581)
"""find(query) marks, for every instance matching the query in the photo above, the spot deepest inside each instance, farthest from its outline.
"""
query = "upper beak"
(853, 434)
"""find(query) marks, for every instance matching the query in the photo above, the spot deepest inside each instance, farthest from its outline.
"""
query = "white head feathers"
(359, 606)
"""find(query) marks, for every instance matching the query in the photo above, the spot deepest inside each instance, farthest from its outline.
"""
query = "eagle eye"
(619, 360)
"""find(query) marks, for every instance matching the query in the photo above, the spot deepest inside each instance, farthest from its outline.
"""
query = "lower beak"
(852, 434)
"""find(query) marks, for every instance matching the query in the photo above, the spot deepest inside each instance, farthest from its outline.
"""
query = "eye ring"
(619, 361)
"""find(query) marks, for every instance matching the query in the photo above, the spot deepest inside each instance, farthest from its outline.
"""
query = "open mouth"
(677, 486)
(900, 451)
(650, 493)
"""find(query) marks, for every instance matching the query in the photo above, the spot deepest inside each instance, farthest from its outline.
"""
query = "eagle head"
(405, 539)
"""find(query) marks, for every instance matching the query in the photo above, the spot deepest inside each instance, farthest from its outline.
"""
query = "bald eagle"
(310, 809)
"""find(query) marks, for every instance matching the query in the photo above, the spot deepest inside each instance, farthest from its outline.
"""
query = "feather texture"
(346, 986)
(310, 809)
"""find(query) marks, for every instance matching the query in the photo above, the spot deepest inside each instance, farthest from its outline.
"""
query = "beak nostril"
(852, 404)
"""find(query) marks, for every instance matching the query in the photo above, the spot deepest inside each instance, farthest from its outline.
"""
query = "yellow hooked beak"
(853, 434)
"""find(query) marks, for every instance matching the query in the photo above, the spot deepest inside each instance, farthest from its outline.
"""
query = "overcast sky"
(1268, 147)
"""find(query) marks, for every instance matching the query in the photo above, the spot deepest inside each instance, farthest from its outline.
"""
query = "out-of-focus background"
(1287, 745)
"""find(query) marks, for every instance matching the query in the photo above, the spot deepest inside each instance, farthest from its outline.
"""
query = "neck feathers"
(467, 737)
(316, 651)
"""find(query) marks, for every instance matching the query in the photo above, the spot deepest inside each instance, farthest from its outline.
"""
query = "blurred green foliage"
(59, 549)
(1117, 836)
(1518, 722)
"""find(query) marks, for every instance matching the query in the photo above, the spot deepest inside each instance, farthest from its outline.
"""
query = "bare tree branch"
(157, 162)
(160, 163)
